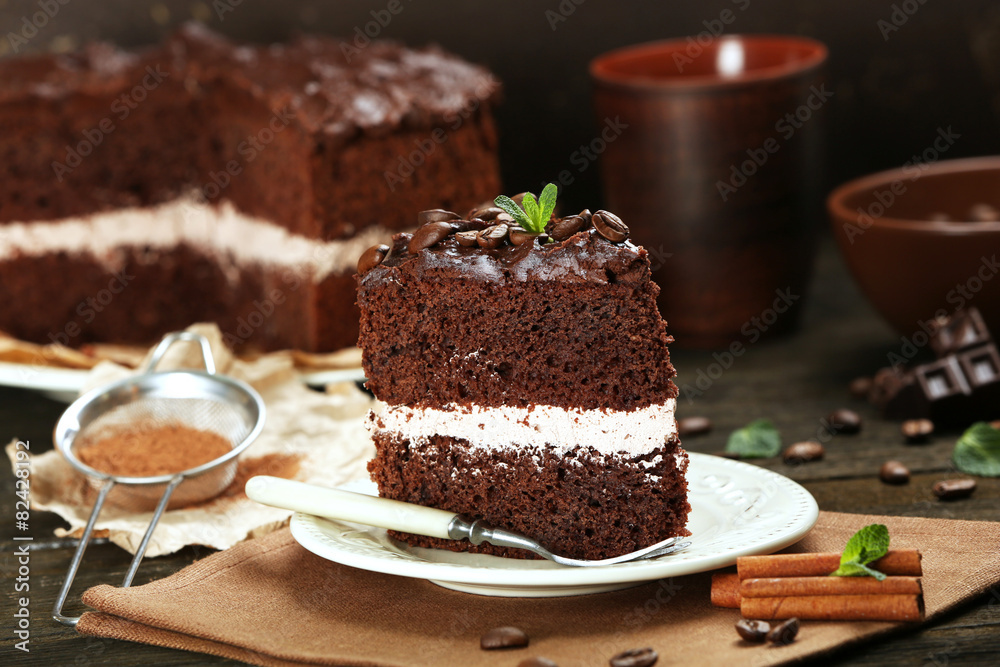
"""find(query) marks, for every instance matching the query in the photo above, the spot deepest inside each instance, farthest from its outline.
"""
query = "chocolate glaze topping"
(505, 252)
(330, 85)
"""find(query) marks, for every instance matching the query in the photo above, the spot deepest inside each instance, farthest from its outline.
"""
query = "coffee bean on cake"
(372, 258)
(467, 239)
(429, 235)
(586, 215)
(503, 637)
(636, 657)
(486, 214)
(610, 226)
(566, 227)
(519, 236)
(493, 237)
(436, 215)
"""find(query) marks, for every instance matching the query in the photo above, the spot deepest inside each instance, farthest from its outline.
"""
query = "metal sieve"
(200, 400)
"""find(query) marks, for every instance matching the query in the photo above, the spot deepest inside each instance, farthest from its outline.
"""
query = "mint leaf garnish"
(865, 546)
(977, 452)
(532, 215)
(758, 439)
(548, 201)
(531, 207)
(515, 211)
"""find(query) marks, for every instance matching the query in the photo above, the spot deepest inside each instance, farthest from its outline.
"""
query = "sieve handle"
(170, 339)
(349, 506)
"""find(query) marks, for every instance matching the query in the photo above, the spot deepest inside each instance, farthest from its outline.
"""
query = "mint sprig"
(533, 214)
(758, 439)
(977, 452)
(865, 546)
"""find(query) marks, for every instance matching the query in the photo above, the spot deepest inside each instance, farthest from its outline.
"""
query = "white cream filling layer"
(222, 232)
(545, 427)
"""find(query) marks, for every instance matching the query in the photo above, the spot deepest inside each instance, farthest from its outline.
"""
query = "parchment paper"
(309, 436)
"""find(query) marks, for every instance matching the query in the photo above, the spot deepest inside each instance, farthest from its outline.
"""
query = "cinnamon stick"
(799, 586)
(903, 562)
(726, 590)
(836, 607)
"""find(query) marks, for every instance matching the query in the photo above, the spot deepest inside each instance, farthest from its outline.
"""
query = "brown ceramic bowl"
(710, 176)
(914, 268)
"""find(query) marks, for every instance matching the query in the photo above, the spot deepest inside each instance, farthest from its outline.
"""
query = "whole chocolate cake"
(527, 379)
(204, 180)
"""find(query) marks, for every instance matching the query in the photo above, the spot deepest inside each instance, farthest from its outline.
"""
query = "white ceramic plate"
(64, 384)
(738, 509)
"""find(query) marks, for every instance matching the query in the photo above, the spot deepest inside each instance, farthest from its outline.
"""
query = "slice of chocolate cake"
(527, 381)
(203, 180)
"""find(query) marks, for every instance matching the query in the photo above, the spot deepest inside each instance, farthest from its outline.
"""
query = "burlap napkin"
(270, 602)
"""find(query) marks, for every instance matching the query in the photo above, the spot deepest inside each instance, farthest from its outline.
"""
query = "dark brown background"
(941, 68)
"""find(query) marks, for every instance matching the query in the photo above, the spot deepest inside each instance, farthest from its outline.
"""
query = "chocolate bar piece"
(961, 331)
(961, 386)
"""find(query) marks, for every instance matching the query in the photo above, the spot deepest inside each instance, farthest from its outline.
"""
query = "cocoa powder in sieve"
(151, 451)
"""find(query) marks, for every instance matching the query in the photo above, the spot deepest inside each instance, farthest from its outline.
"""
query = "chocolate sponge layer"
(582, 504)
(455, 340)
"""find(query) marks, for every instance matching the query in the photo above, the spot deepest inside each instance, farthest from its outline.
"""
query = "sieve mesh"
(228, 420)
(136, 410)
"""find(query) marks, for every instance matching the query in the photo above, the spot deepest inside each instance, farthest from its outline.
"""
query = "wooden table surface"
(794, 382)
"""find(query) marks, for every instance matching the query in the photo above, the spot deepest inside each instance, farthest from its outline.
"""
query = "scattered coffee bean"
(504, 218)
(753, 631)
(984, 213)
(844, 421)
(610, 226)
(429, 235)
(954, 489)
(917, 430)
(504, 637)
(371, 258)
(492, 237)
(537, 661)
(468, 239)
(519, 198)
(636, 657)
(435, 215)
(995, 424)
(519, 236)
(586, 215)
(860, 387)
(784, 633)
(693, 426)
(894, 472)
(802, 452)
(566, 227)
(478, 207)
(488, 213)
